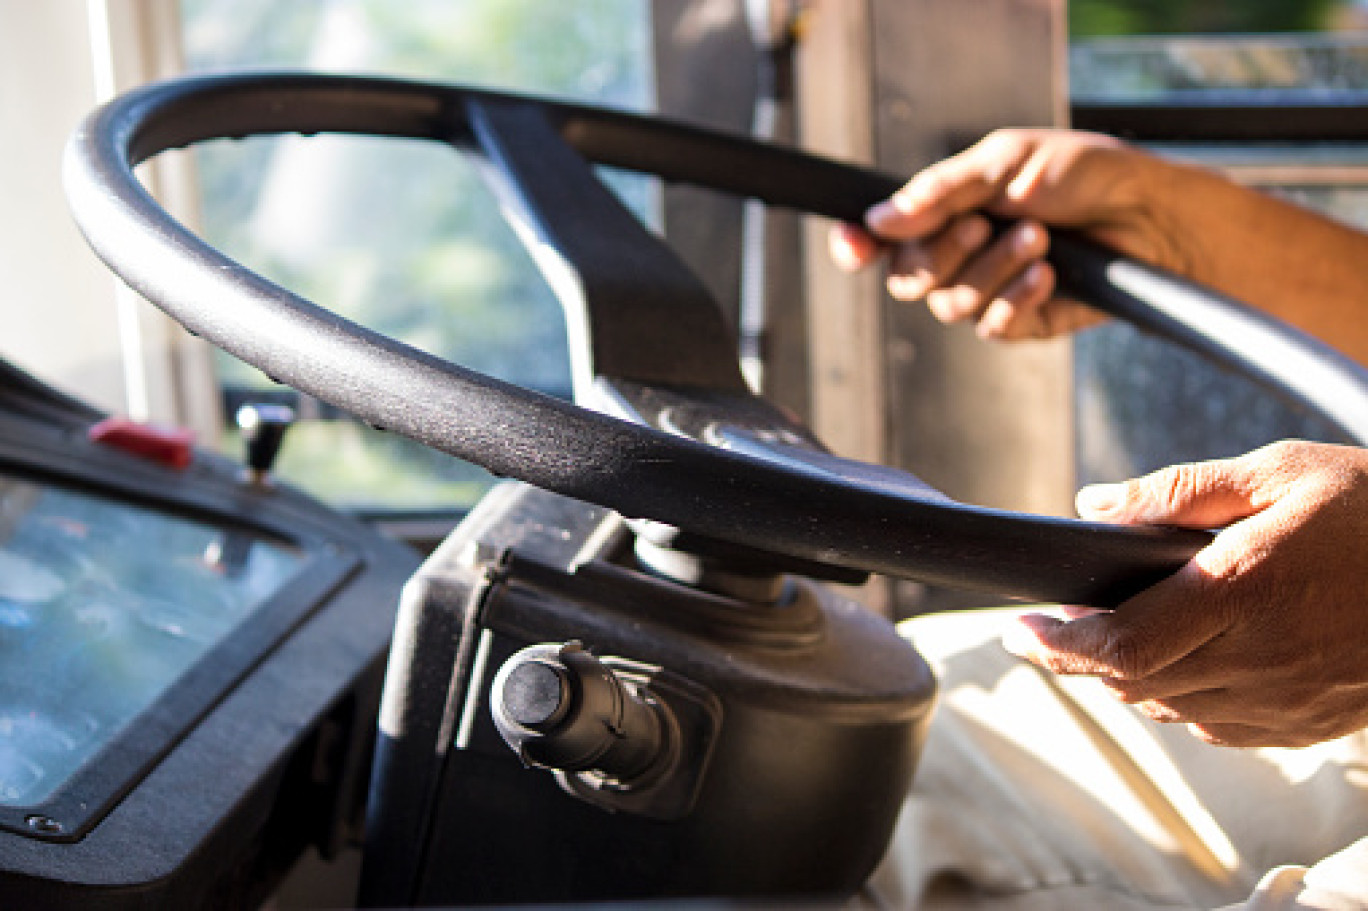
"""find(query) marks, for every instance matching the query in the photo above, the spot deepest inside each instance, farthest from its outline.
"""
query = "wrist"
(1183, 206)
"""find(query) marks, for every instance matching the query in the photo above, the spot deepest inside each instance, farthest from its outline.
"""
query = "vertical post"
(847, 329)
(705, 73)
(847, 344)
(903, 83)
(170, 376)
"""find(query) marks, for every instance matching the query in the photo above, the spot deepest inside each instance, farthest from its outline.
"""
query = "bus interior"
(441, 466)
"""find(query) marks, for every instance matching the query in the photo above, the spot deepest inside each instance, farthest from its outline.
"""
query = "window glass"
(1141, 404)
(403, 236)
(1152, 67)
(103, 608)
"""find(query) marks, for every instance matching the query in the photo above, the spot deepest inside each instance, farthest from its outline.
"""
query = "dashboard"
(190, 667)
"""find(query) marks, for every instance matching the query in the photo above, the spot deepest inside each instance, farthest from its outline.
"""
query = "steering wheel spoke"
(633, 307)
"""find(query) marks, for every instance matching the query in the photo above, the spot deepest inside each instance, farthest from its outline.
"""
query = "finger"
(1090, 646)
(1063, 316)
(917, 268)
(1033, 310)
(962, 183)
(1222, 706)
(1228, 662)
(1078, 611)
(998, 266)
(1246, 736)
(851, 247)
(1197, 495)
(1018, 311)
(1194, 673)
(1139, 639)
(1215, 706)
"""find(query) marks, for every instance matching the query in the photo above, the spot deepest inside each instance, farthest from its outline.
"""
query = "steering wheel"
(687, 445)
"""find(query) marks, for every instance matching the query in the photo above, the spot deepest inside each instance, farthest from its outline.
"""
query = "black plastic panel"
(254, 753)
(821, 711)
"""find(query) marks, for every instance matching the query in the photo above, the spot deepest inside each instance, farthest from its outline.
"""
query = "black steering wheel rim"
(815, 515)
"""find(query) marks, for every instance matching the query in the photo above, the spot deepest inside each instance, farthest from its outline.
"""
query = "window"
(1141, 405)
(402, 237)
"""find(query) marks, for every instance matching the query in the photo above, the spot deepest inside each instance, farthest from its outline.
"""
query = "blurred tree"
(1089, 18)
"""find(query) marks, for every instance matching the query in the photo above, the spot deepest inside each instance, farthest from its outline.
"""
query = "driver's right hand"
(940, 247)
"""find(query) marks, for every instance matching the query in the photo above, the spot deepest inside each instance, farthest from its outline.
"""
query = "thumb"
(1197, 495)
(952, 187)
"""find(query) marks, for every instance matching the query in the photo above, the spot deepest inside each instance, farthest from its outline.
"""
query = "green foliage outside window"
(1091, 18)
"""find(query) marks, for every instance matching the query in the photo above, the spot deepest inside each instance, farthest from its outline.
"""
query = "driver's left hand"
(1262, 638)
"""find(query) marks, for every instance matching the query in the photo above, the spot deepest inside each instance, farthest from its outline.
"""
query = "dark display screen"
(103, 607)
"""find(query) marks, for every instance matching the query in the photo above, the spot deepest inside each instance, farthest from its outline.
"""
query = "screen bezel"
(198, 494)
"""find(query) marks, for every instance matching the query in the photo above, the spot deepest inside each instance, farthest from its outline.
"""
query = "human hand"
(1262, 638)
(941, 247)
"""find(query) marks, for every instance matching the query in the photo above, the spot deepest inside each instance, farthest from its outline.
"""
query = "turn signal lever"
(622, 735)
(559, 707)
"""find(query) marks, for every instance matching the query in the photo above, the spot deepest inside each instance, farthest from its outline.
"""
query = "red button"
(173, 447)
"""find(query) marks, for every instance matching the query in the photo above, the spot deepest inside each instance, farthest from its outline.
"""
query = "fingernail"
(841, 248)
(908, 199)
(908, 287)
(880, 214)
(1034, 275)
(943, 307)
(996, 320)
(1099, 499)
(1027, 240)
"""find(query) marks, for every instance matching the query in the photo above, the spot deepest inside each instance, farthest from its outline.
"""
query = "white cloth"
(1040, 792)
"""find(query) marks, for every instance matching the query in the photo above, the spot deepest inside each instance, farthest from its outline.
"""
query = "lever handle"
(559, 707)
(263, 429)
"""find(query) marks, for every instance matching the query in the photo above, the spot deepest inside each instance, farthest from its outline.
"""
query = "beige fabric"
(1338, 883)
(1037, 792)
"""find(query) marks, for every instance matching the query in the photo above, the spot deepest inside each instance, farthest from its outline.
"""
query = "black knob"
(263, 432)
(559, 707)
(536, 695)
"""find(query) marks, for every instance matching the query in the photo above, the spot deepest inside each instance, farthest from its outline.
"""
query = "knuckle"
(1005, 143)
(1282, 452)
(1169, 489)
(1123, 656)
(932, 183)
(1282, 458)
